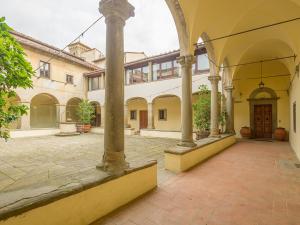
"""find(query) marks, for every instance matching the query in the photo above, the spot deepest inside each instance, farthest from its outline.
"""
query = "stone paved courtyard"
(33, 166)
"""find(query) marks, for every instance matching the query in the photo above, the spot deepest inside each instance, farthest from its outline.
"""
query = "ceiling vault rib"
(248, 31)
(254, 62)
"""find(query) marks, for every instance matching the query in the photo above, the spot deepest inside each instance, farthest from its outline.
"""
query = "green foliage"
(202, 109)
(15, 72)
(222, 119)
(85, 112)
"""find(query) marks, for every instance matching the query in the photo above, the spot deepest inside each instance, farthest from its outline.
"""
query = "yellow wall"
(58, 70)
(295, 97)
(138, 105)
(89, 205)
(172, 105)
(244, 87)
(179, 163)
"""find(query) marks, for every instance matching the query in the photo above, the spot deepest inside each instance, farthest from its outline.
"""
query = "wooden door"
(143, 119)
(263, 121)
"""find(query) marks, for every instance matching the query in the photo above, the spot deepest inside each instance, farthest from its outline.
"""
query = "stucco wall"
(56, 85)
(172, 105)
(138, 105)
(295, 97)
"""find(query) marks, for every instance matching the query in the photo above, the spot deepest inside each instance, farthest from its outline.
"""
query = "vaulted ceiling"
(217, 18)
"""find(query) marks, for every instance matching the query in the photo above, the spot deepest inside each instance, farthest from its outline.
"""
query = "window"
(145, 72)
(155, 71)
(162, 114)
(166, 70)
(137, 75)
(69, 79)
(128, 76)
(294, 117)
(176, 68)
(44, 70)
(94, 83)
(133, 115)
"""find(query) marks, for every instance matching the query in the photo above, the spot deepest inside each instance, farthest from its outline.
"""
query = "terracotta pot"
(202, 134)
(246, 132)
(79, 128)
(86, 128)
(280, 134)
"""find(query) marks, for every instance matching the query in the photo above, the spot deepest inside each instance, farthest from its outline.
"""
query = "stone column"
(186, 63)
(25, 119)
(214, 126)
(102, 109)
(62, 113)
(126, 116)
(150, 116)
(229, 110)
(116, 12)
(58, 115)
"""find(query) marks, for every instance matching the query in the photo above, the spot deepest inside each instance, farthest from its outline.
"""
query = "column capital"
(214, 79)
(186, 60)
(229, 88)
(121, 9)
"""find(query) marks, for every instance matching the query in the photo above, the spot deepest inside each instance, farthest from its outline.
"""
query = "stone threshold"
(25, 205)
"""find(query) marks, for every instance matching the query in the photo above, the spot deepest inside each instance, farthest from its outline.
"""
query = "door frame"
(253, 101)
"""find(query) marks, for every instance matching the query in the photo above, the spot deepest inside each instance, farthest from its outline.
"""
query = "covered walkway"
(251, 183)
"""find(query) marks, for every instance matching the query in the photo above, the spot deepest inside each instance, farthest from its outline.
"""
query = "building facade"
(152, 91)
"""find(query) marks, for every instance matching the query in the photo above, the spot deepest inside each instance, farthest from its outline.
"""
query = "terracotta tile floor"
(251, 183)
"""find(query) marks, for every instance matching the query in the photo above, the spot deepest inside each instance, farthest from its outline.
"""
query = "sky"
(57, 22)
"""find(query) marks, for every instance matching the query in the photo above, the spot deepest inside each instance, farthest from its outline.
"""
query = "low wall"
(86, 206)
(100, 130)
(179, 159)
(33, 133)
(162, 134)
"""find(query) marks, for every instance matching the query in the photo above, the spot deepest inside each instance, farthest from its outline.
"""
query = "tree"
(202, 109)
(15, 72)
(85, 112)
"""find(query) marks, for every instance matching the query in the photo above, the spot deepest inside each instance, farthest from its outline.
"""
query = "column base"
(215, 134)
(113, 163)
(189, 144)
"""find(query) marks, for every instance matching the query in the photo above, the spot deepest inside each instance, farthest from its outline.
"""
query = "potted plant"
(202, 112)
(85, 113)
(280, 134)
(246, 132)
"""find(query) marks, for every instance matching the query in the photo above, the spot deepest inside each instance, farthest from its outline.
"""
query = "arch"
(135, 99)
(182, 29)
(17, 124)
(71, 109)
(44, 111)
(257, 91)
(210, 53)
(271, 99)
(97, 120)
(167, 112)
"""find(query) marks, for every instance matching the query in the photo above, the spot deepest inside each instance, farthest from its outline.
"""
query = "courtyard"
(32, 168)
